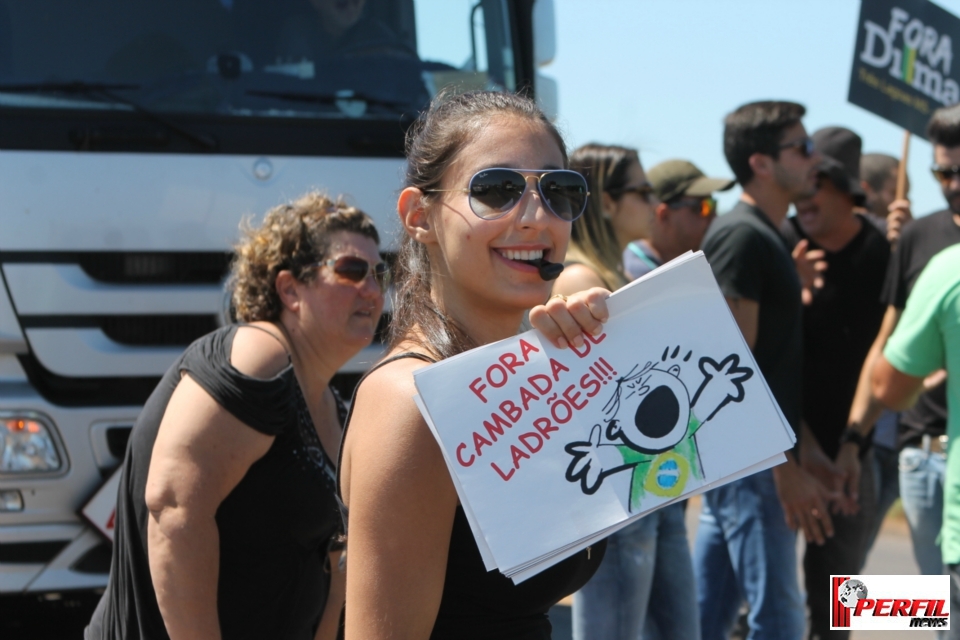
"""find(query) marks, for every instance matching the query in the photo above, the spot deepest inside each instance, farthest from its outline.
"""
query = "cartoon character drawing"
(651, 425)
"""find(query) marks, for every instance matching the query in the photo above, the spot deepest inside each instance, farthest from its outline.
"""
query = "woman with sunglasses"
(618, 211)
(227, 520)
(653, 551)
(486, 210)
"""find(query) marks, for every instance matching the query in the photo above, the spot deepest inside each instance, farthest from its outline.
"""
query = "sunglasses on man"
(493, 193)
(944, 174)
(805, 146)
(705, 207)
(353, 270)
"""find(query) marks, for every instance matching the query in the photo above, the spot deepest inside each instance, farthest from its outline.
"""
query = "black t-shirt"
(921, 240)
(751, 260)
(839, 327)
(275, 526)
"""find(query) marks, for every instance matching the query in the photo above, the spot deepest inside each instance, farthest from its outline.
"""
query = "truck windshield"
(265, 58)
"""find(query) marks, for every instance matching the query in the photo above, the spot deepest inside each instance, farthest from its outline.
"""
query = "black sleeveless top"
(479, 605)
(275, 526)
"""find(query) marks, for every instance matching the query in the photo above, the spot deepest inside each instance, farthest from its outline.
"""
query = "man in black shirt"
(746, 542)
(839, 323)
(923, 427)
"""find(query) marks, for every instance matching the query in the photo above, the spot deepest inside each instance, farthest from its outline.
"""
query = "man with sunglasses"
(922, 428)
(681, 218)
(840, 319)
(746, 542)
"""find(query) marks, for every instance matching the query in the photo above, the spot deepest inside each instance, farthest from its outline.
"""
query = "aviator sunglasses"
(945, 174)
(354, 270)
(493, 193)
(706, 207)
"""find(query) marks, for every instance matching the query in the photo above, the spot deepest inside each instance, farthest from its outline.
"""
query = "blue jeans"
(886, 470)
(615, 604)
(921, 492)
(745, 550)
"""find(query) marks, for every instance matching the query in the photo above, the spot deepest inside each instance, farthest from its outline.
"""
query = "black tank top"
(275, 526)
(477, 604)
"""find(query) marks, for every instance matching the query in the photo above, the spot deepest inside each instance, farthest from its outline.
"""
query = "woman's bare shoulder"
(259, 351)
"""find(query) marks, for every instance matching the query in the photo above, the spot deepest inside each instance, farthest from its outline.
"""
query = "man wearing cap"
(681, 219)
(840, 320)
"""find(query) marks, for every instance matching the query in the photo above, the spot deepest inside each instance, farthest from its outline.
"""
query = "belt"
(932, 444)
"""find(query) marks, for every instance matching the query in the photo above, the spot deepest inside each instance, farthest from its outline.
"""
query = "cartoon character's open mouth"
(661, 416)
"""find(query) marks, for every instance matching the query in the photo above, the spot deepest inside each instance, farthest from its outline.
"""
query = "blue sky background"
(660, 75)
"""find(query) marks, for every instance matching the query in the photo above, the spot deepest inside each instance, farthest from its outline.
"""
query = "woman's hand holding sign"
(562, 319)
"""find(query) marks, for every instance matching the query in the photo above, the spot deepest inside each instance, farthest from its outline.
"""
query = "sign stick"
(902, 169)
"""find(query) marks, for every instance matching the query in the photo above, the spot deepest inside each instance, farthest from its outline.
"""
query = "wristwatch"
(850, 435)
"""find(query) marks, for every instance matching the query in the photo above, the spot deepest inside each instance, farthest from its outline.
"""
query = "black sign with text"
(903, 64)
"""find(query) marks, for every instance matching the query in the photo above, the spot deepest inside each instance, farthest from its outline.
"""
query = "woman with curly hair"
(226, 516)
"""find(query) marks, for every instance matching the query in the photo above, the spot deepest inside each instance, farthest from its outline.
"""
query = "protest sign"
(903, 61)
(553, 449)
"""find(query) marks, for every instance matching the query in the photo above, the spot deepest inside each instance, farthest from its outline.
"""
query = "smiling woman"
(227, 521)
(486, 196)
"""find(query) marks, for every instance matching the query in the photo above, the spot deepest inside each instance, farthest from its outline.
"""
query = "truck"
(134, 136)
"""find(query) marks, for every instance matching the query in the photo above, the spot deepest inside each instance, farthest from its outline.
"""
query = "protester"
(619, 601)
(746, 544)
(839, 323)
(476, 239)
(227, 505)
(926, 340)
(878, 178)
(679, 221)
(619, 210)
(922, 427)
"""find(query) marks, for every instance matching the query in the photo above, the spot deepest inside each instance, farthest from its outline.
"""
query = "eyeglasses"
(945, 174)
(354, 270)
(706, 207)
(805, 146)
(493, 193)
(644, 190)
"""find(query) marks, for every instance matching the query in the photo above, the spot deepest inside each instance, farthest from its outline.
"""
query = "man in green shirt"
(927, 339)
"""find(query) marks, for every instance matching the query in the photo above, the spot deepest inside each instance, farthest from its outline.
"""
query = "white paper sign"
(551, 450)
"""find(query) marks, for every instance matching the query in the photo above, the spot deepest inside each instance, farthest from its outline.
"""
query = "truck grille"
(155, 268)
(102, 328)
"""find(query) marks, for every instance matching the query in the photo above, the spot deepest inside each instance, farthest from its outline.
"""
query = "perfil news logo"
(914, 53)
(890, 603)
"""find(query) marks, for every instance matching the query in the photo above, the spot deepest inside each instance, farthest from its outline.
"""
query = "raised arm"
(402, 504)
(865, 408)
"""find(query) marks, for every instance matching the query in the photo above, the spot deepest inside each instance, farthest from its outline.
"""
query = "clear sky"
(660, 75)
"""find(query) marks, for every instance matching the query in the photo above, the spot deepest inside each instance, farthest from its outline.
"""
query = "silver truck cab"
(134, 136)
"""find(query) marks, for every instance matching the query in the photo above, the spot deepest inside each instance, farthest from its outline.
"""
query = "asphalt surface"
(36, 618)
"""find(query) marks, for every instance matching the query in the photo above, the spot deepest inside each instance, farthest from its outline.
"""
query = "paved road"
(64, 619)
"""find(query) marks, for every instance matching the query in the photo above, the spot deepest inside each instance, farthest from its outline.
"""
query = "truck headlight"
(26, 445)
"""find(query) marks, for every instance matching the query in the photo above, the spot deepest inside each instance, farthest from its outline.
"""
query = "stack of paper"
(553, 450)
